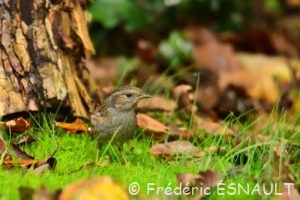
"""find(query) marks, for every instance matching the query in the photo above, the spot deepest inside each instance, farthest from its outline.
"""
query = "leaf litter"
(231, 81)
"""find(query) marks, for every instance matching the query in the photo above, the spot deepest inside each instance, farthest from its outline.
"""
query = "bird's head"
(125, 98)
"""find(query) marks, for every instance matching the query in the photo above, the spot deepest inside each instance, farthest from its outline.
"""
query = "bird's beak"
(143, 95)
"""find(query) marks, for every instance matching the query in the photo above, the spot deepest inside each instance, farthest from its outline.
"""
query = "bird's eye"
(128, 95)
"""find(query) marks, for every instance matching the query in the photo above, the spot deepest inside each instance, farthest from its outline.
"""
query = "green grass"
(136, 164)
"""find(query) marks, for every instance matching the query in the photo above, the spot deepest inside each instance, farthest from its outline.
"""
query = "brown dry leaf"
(208, 94)
(282, 45)
(183, 134)
(20, 162)
(214, 149)
(25, 192)
(12, 150)
(212, 127)
(233, 99)
(26, 161)
(185, 97)
(159, 130)
(146, 50)
(104, 188)
(182, 89)
(6, 166)
(19, 125)
(149, 124)
(269, 66)
(157, 103)
(182, 148)
(293, 3)
(16, 156)
(290, 25)
(209, 52)
(77, 126)
(15, 151)
(36, 194)
(26, 140)
(257, 76)
(44, 194)
(263, 40)
(203, 181)
(104, 70)
(289, 192)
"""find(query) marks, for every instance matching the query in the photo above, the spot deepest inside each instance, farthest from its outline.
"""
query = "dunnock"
(116, 119)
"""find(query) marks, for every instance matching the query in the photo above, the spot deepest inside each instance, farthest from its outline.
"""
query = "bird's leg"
(120, 148)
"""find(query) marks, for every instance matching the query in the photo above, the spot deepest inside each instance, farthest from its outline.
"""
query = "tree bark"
(43, 47)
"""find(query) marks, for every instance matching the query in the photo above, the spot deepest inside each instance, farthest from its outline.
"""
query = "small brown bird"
(116, 119)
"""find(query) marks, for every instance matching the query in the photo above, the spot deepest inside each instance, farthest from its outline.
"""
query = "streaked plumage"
(117, 115)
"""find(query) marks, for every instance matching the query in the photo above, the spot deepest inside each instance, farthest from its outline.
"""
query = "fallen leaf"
(159, 130)
(157, 103)
(209, 52)
(26, 140)
(202, 181)
(104, 70)
(208, 93)
(254, 39)
(41, 193)
(211, 127)
(41, 169)
(233, 99)
(181, 90)
(149, 124)
(77, 126)
(31, 162)
(282, 45)
(15, 151)
(183, 134)
(25, 192)
(263, 70)
(181, 148)
(185, 97)
(19, 125)
(16, 156)
(6, 166)
(12, 149)
(214, 149)
(44, 194)
(146, 50)
(289, 192)
(289, 25)
(104, 188)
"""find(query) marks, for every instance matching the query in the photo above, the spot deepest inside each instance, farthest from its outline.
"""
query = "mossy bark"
(43, 47)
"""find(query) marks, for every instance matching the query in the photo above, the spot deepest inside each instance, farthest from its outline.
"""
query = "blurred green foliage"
(111, 13)
(176, 49)
(158, 18)
(273, 6)
(136, 14)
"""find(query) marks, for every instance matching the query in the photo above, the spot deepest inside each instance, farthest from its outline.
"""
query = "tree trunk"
(43, 46)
